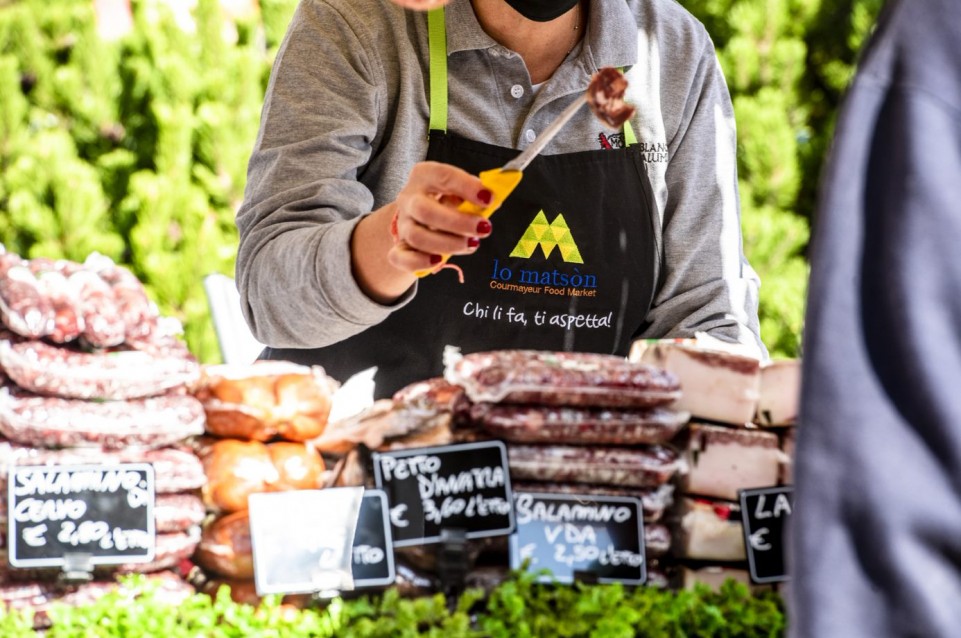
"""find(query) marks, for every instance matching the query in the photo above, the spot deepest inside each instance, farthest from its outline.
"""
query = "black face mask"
(542, 10)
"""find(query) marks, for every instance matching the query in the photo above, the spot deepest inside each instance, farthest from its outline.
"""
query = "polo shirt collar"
(611, 38)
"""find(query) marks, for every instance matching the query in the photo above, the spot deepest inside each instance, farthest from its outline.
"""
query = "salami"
(175, 470)
(103, 326)
(42, 421)
(124, 374)
(626, 467)
(68, 319)
(537, 424)
(561, 378)
(137, 313)
(23, 307)
(177, 512)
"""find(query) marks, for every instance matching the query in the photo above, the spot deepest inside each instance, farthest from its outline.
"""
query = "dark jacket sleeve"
(876, 545)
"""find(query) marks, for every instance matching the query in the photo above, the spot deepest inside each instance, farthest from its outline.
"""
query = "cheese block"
(711, 531)
(722, 460)
(780, 393)
(715, 385)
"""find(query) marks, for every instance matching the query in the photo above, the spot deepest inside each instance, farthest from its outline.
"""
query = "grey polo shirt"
(345, 119)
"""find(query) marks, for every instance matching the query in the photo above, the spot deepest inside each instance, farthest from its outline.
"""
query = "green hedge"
(138, 148)
(518, 608)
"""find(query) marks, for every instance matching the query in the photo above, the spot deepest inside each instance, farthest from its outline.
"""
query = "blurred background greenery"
(134, 141)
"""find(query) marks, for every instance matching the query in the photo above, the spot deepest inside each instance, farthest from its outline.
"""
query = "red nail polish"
(485, 196)
(473, 242)
(484, 227)
(435, 259)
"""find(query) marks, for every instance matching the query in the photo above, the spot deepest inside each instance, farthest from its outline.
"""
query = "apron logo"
(548, 235)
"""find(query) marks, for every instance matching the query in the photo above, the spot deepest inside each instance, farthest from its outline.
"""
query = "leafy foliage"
(519, 607)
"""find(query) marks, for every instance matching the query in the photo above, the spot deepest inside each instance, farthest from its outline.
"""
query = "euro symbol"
(397, 516)
(757, 540)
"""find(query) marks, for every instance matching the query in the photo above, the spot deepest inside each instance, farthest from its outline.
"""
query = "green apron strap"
(629, 138)
(437, 45)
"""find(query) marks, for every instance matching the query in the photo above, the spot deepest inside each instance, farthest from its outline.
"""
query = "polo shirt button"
(530, 135)
(517, 90)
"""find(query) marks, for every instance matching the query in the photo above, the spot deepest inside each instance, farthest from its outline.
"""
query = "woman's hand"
(426, 223)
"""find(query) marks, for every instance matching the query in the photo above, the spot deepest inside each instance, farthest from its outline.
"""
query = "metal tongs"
(502, 181)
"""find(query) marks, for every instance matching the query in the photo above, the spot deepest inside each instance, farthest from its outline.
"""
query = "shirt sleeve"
(705, 283)
(320, 119)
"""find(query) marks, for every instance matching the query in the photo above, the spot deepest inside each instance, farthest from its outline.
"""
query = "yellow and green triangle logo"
(548, 235)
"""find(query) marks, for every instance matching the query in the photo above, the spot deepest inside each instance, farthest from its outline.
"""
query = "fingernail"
(484, 227)
(485, 196)
(435, 259)
(473, 242)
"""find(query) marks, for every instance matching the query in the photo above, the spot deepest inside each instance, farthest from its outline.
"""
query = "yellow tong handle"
(500, 183)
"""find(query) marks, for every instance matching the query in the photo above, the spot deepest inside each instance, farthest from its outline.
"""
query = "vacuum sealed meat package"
(44, 421)
(117, 375)
(547, 424)
(23, 306)
(627, 467)
(561, 378)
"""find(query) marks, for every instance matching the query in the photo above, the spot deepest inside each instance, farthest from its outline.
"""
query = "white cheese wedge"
(711, 531)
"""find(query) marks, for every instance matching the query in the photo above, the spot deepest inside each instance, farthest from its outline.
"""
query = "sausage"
(68, 319)
(561, 378)
(177, 512)
(626, 467)
(539, 424)
(103, 326)
(124, 374)
(41, 421)
(175, 470)
(137, 313)
(23, 307)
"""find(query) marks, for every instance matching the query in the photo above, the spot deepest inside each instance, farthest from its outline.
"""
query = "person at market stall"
(373, 131)
(875, 548)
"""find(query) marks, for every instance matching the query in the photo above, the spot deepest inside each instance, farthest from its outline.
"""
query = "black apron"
(570, 266)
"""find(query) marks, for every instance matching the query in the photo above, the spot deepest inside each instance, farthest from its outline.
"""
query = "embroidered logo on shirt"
(611, 141)
(548, 235)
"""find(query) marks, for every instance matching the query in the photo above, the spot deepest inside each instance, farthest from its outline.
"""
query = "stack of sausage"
(90, 373)
(740, 437)
(581, 423)
(260, 419)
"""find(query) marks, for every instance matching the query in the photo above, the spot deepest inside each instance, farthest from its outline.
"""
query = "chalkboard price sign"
(573, 536)
(104, 511)
(463, 486)
(765, 513)
(373, 554)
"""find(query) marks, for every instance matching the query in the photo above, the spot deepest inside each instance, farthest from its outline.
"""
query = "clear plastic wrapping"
(42, 421)
(560, 378)
(583, 426)
(648, 466)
